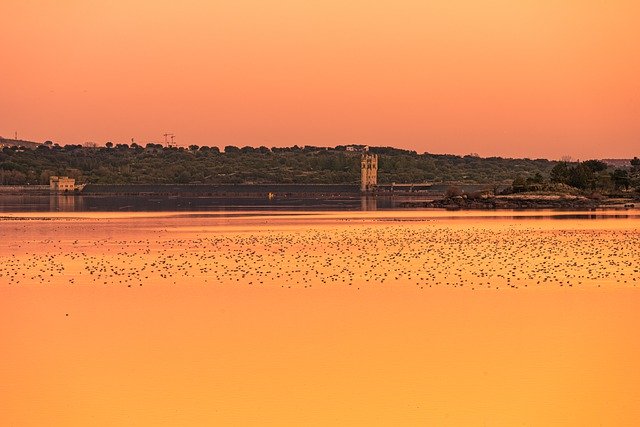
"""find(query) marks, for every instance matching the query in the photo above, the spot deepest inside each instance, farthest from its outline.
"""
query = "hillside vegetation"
(157, 164)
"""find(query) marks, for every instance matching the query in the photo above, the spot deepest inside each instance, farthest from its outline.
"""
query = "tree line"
(158, 164)
(587, 176)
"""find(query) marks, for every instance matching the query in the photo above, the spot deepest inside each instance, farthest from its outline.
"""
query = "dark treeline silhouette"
(155, 163)
(591, 175)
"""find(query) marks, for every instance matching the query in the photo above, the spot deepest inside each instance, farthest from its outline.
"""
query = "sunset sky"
(526, 78)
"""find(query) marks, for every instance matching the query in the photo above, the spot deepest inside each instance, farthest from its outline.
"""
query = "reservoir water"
(302, 317)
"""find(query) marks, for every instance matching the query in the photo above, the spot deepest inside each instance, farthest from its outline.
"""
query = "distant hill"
(155, 164)
(7, 142)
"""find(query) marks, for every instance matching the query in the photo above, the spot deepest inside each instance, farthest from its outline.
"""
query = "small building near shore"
(62, 183)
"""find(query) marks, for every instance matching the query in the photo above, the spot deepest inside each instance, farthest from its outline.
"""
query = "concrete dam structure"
(228, 190)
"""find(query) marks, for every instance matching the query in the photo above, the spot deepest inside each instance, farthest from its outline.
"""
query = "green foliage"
(595, 165)
(585, 175)
(580, 176)
(595, 175)
(154, 163)
(560, 173)
(519, 184)
(453, 192)
(621, 179)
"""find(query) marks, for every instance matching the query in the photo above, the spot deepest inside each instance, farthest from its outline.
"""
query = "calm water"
(164, 203)
(320, 318)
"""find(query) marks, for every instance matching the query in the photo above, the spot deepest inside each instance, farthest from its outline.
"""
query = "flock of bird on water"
(418, 255)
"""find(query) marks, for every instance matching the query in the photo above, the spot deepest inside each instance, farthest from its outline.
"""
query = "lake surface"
(35, 202)
(320, 318)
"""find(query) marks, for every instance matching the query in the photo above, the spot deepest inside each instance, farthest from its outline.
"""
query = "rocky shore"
(522, 202)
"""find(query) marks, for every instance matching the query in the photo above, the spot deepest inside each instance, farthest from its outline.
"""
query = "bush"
(452, 192)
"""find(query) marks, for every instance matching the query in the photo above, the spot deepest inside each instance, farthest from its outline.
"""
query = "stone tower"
(369, 172)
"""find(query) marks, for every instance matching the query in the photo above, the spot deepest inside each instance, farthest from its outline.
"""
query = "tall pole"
(166, 141)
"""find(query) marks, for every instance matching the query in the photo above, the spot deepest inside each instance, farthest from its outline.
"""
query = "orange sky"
(532, 78)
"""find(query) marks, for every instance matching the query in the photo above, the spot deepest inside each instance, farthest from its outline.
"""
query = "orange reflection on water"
(224, 352)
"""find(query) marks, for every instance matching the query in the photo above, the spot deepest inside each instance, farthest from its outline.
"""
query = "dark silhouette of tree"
(519, 184)
(595, 165)
(231, 149)
(621, 179)
(560, 173)
(580, 176)
(158, 164)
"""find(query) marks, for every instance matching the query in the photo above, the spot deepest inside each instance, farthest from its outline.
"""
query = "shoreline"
(282, 197)
(381, 215)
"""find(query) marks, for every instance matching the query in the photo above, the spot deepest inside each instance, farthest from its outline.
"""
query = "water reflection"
(368, 203)
(64, 203)
(165, 203)
(13, 203)
(179, 319)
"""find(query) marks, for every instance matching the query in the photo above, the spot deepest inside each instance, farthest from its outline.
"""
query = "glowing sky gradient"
(530, 78)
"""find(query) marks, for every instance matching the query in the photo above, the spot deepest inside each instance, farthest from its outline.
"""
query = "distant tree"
(231, 149)
(48, 143)
(12, 177)
(193, 147)
(595, 165)
(519, 184)
(635, 162)
(535, 183)
(45, 175)
(183, 177)
(109, 144)
(580, 176)
(312, 148)
(452, 192)
(537, 178)
(621, 179)
(560, 173)
(207, 149)
(155, 164)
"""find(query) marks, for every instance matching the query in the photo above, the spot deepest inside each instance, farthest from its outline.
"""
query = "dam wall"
(226, 190)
